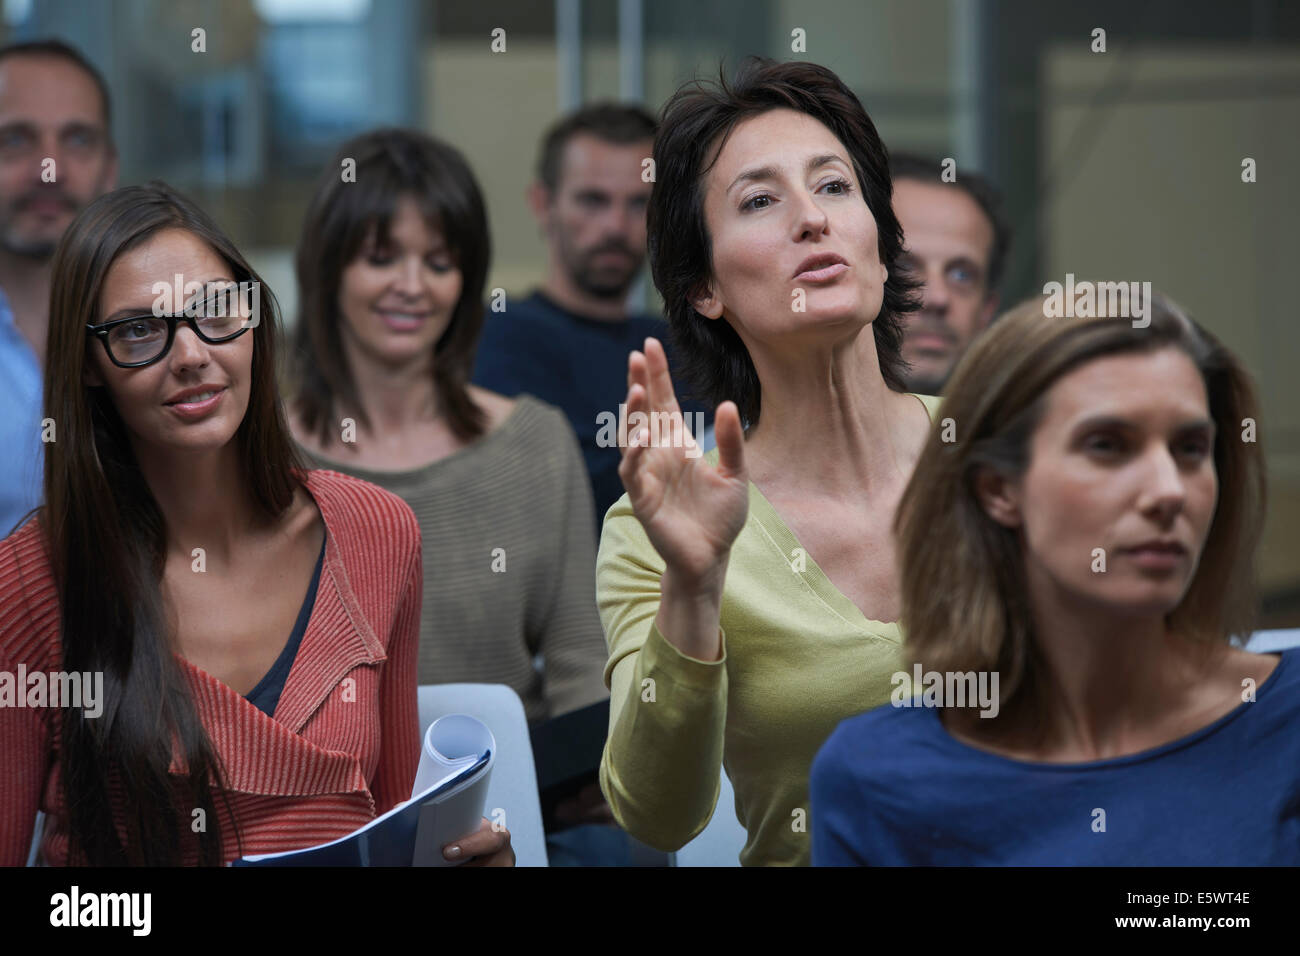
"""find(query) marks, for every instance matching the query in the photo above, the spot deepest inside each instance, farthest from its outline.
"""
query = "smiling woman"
(391, 270)
(135, 342)
(179, 535)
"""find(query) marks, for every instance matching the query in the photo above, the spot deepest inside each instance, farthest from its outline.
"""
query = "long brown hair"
(963, 576)
(389, 164)
(107, 540)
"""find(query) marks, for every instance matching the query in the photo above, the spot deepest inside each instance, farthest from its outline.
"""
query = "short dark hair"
(389, 164)
(923, 169)
(619, 123)
(701, 114)
(57, 48)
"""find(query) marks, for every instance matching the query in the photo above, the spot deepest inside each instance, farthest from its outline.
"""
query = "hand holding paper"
(446, 807)
(452, 745)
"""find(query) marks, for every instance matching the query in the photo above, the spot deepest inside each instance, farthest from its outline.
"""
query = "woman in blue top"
(1075, 550)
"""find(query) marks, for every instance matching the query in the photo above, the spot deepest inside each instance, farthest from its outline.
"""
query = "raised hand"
(690, 510)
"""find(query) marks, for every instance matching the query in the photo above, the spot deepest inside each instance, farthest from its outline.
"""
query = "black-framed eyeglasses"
(139, 340)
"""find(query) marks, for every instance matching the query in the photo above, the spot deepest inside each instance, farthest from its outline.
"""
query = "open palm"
(691, 511)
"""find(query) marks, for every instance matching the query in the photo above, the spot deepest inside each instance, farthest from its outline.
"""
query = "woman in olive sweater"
(749, 596)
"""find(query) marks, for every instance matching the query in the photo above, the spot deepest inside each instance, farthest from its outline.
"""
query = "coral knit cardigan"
(343, 744)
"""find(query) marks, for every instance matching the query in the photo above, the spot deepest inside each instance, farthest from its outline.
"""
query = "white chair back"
(513, 787)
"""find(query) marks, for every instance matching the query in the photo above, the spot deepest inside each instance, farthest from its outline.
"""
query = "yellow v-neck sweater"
(797, 658)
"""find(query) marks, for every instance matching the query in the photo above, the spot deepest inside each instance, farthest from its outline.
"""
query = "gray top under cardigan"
(509, 561)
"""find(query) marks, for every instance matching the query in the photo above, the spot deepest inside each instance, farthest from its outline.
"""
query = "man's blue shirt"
(578, 364)
(22, 458)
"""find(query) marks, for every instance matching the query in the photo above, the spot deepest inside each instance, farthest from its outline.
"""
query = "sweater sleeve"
(572, 643)
(663, 756)
(23, 731)
(399, 694)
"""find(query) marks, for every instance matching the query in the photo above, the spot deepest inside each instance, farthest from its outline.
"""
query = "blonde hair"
(964, 604)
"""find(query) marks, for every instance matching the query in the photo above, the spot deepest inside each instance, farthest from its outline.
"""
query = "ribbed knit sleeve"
(28, 643)
(662, 759)
(399, 693)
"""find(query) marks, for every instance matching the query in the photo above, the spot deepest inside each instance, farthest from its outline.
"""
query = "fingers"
(635, 409)
(635, 368)
(635, 403)
(650, 416)
(659, 383)
(483, 842)
(649, 370)
(629, 469)
(731, 440)
(636, 397)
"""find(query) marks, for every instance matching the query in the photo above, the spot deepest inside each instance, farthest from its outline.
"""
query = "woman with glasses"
(242, 632)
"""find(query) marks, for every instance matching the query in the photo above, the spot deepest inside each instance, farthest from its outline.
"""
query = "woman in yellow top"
(751, 606)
